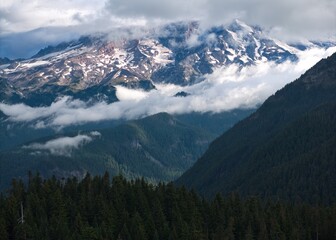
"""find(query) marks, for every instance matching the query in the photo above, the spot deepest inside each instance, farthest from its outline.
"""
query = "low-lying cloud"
(62, 146)
(226, 89)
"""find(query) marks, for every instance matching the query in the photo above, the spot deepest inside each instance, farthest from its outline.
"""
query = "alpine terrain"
(179, 53)
(94, 71)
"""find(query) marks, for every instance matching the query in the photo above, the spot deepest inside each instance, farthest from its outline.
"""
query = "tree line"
(102, 208)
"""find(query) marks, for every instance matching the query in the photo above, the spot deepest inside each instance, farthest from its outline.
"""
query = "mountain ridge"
(180, 54)
(158, 148)
(242, 147)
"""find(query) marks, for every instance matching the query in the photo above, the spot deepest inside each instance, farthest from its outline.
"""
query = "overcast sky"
(50, 21)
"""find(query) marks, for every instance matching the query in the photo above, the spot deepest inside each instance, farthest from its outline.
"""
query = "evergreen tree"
(95, 209)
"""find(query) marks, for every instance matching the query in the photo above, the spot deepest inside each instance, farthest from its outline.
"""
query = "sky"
(28, 25)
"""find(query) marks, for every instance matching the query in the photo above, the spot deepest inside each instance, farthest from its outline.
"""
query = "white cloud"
(303, 18)
(126, 94)
(62, 146)
(193, 40)
(312, 56)
(226, 89)
(45, 22)
(18, 15)
(95, 134)
(21, 112)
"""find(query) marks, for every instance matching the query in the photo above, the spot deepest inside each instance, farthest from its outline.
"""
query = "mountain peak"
(238, 25)
(178, 54)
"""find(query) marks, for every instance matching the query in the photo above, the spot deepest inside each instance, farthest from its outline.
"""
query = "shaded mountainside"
(158, 147)
(215, 123)
(286, 149)
(13, 134)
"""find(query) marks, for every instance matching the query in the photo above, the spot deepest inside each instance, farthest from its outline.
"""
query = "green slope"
(97, 208)
(285, 149)
(215, 123)
(13, 134)
(158, 147)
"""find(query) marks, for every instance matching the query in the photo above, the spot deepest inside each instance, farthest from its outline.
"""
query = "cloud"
(27, 26)
(287, 19)
(22, 112)
(126, 94)
(11, 44)
(20, 16)
(62, 146)
(95, 134)
(226, 89)
(152, 9)
(302, 18)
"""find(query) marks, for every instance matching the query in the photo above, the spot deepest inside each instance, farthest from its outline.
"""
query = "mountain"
(93, 69)
(215, 123)
(5, 61)
(286, 149)
(179, 53)
(14, 134)
(158, 147)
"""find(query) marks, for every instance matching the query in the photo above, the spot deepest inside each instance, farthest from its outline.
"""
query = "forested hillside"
(286, 149)
(95, 209)
(158, 148)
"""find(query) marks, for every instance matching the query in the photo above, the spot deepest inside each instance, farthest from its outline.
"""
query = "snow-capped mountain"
(181, 53)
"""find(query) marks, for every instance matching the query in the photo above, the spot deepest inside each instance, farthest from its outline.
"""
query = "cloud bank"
(298, 17)
(62, 146)
(50, 22)
(22, 16)
(226, 89)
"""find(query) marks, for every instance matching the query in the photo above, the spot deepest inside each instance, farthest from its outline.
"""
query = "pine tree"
(3, 227)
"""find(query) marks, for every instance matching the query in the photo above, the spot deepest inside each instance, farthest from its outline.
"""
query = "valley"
(128, 126)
